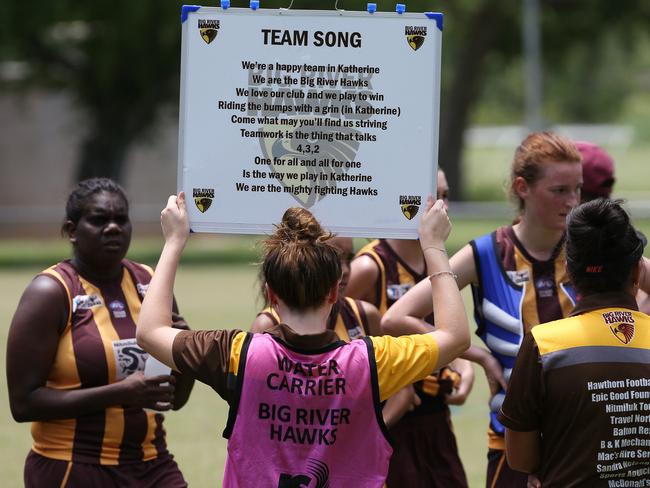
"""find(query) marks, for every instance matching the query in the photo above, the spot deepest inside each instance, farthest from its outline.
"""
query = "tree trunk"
(465, 89)
(102, 154)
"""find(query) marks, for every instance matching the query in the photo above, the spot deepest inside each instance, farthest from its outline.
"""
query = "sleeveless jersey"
(97, 347)
(333, 442)
(396, 278)
(514, 293)
(347, 319)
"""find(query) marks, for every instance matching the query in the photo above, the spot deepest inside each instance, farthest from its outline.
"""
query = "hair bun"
(299, 225)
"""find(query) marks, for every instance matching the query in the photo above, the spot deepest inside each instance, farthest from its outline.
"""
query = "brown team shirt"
(396, 277)
(584, 383)
(347, 319)
(212, 356)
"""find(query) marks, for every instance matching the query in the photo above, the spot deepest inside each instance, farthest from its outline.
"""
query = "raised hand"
(174, 220)
(434, 225)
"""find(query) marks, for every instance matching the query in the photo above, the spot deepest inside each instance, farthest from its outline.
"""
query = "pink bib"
(306, 419)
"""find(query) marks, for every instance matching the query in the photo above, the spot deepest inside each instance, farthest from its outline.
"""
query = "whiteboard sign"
(333, 111)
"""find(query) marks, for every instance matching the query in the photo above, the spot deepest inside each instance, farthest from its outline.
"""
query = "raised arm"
(451, 326)
(405, 316)
(184, 382)
(363, 280)
(154, 332)
(373, 318)
(42, 314)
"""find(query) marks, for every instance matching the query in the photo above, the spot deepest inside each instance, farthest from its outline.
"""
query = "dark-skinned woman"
(74, 368)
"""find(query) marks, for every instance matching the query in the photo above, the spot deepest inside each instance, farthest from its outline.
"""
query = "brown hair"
(537, 149)
(300, 263)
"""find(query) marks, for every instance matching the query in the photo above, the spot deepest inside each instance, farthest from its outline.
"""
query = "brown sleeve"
(522, 407)
(205, 354)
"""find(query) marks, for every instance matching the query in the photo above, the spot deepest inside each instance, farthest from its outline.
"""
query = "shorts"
(425, 453)
(42, 472)
(499, 474)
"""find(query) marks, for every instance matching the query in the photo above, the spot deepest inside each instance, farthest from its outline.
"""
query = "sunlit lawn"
(210, 296)
(214, 294)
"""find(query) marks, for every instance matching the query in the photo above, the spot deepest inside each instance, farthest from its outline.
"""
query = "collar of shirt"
(611, 299)
(306, 341)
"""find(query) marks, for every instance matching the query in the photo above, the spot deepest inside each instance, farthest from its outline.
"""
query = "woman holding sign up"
(299, 397)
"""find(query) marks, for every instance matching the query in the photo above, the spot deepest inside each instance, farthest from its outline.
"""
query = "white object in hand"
(153, 367)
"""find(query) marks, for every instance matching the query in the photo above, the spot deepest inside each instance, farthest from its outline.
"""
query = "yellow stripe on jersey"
(562, 277)
(148, 268)
(149, 450)
(404, 275)
(340, 328)
(59, 436)
(50, 272)
(113, 434)
(357, 318)
(529, 303)
(235, 353)
(107, 332)
(131, 295)
(369, 250)
(63, 374)
(590, 329)
(403, 360)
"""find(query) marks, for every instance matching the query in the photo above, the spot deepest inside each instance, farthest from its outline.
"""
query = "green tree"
(119, 60)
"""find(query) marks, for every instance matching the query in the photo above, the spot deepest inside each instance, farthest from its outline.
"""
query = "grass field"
(217, 288)
(486, 172)
(211, 296)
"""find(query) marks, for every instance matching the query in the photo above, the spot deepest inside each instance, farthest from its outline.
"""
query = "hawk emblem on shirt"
(623, 332)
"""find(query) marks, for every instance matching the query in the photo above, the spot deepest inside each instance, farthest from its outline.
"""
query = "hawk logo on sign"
(415, 36)
(318, 472)
(621, 324)
(208, 28)
(410, 204)
(203, 198)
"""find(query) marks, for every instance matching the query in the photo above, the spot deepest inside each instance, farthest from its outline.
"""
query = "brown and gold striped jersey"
(97, 347)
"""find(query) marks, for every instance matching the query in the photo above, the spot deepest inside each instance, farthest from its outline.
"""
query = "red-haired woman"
(517, 275)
